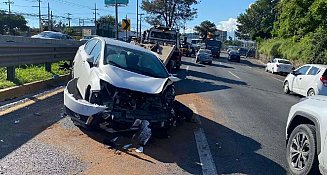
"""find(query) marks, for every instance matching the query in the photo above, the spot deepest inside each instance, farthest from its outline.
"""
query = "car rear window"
(284, 62)
(325, 73)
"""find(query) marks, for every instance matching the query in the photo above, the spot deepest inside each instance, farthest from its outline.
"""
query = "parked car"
(234, 55)
(204, 56)
(87, 37)
(52, 35)
(250, 53)
(119, 83)
(307, 80)
(278, 65)
(242, 51)
(306, 142)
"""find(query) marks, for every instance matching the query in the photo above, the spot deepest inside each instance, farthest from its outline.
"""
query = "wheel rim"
(299, 151)
(312, 93)
(286, 87)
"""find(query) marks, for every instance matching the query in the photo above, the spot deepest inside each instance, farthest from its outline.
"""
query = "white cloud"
(230, 25)
(251, 5)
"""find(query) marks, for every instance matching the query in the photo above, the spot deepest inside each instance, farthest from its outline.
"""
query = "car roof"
(281, 59)
(123, 44)
(317, 65)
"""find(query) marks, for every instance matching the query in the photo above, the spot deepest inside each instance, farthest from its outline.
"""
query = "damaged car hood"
(133, 81)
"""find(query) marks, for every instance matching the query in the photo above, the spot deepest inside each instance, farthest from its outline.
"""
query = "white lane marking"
(278, 79)
(208, 166)
(234, 75)
(206, 160)
(187, 68)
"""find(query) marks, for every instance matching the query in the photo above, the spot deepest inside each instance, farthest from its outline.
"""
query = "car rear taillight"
(323, 80)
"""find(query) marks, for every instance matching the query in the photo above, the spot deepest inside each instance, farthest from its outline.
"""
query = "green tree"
(169, 12)
(300, 17)
(258, 20)
(69, 31)
(205, 28)
(12, 23)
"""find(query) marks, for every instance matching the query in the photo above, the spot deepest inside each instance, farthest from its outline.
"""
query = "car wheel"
(301, 153)
(311, 92)
(287, 87)
(210, 62)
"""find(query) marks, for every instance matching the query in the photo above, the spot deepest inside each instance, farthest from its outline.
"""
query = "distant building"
(221, 35)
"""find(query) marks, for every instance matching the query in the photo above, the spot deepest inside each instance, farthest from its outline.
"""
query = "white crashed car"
(119, 84)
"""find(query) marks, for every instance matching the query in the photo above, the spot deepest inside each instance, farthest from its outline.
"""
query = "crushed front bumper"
(84, 112)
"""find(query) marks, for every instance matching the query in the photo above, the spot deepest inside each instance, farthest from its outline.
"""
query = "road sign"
(87, 32)
(126, 24)
(112, 2)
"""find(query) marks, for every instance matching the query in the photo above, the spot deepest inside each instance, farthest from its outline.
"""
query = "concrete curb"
(18, 91)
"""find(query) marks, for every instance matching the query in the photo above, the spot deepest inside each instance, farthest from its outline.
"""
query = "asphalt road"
(239, 128)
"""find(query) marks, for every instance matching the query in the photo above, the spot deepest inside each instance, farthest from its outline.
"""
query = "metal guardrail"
(15, 51)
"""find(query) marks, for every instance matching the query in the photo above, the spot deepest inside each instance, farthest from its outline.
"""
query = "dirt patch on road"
(176, 154)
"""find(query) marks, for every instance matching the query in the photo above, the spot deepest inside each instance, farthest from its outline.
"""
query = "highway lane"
(239, 128)
(247, 132)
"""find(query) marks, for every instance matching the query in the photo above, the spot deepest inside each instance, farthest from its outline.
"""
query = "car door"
(308, 80)
(299, 76)
(83, 68)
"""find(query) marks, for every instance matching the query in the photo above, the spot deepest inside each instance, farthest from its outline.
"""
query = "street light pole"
(116, 8)
(137, 18)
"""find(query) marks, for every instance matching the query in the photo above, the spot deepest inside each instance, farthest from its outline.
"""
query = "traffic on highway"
(178, 95)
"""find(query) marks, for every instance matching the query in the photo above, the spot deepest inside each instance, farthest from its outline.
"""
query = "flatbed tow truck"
(165, 42)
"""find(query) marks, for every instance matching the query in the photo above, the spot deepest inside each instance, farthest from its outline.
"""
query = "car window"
(135, 61)
(303, 70)
(96, 52)
(313, 71)
(89, 46)
(284, 62)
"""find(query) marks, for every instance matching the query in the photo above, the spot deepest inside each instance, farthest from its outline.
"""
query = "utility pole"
(141, 24)
(9, 5)
(68, 18)
(40, 20)
(116, 8)
(137, 18)
(126, 30)
(51, 19)
(49, 27)
(95, 14)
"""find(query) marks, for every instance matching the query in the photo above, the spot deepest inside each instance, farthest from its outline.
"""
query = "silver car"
(204, 56)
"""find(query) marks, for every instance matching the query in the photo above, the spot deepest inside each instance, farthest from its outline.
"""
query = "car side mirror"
(90, 60)
(295, 73)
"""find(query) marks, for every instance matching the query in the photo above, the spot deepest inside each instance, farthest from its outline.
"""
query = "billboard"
(112, 2)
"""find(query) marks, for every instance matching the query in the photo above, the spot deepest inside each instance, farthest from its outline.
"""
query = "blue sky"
(221, 12)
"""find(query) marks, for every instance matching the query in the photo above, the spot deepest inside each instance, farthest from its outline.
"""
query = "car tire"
(286, 88)
(210, 62)
(302, 133)
(311, 92)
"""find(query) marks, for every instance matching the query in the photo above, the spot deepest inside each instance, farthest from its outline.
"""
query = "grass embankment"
(311, 48)
(31, 73)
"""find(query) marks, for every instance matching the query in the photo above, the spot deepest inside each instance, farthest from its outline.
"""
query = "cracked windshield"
(143, 87)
